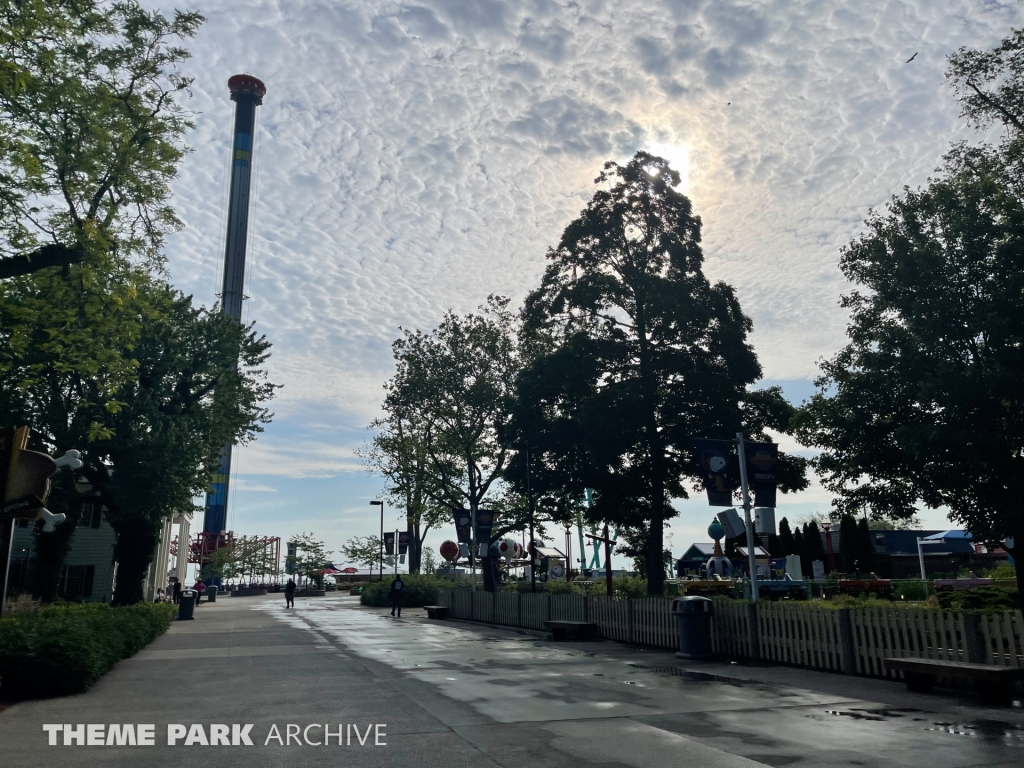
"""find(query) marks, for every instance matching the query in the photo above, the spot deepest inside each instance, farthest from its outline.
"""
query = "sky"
(416, 157)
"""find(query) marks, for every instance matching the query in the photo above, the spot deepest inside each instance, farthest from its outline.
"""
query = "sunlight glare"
(678, 159)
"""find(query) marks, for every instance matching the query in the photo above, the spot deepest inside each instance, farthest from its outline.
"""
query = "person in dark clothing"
(397, 586)
(199, 588)
(289, 594)
(177, 592)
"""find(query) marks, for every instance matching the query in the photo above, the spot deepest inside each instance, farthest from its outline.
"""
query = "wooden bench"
(436, 611)
(994, 684)
(569, 631)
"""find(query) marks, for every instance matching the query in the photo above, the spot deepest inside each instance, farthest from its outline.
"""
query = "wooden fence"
(850, 640)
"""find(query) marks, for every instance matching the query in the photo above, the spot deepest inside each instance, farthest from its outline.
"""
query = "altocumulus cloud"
(419, 156)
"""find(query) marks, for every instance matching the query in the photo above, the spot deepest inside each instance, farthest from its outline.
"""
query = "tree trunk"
(1017, 552)
(656, 549)
(415, 548)
(133, 551)
(51, 549)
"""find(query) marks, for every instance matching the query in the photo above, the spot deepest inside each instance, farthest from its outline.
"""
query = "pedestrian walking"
(177, 592)
(289, 594)
(396, 595)
(199, 588)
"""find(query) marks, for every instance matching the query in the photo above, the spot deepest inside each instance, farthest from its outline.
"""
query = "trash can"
(693, 622)
(211, 593)
(186, 604)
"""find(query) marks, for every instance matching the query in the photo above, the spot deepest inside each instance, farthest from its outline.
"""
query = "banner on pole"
(389, 542)
(463, 519)
(713, 457)
(762, 468)
(403, 543)
(484, 523)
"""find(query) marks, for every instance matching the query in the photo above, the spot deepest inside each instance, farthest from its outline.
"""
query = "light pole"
(751, 560)
(529, 504)
(380, 557)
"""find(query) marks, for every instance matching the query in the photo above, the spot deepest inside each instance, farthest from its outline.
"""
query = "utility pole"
(529, 504)
(380, 554)
(607, 559)
(751, 562)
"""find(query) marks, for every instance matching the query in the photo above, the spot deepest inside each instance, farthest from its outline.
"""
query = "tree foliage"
(363, 551)
(632, 353)
(90, 124)
(925, 404)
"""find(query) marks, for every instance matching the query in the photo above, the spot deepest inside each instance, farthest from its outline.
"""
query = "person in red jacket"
(199, 588)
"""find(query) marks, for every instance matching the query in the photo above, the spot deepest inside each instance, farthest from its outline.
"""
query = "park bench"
(568, 631)
(436, 611)
(993, 683)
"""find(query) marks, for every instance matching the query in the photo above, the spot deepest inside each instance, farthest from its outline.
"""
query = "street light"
(381, 558)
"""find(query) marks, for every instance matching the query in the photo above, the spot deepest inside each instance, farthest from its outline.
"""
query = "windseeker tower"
(247, 92)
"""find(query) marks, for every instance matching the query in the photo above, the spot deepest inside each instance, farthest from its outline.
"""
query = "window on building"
(91, 515)
(76, 582)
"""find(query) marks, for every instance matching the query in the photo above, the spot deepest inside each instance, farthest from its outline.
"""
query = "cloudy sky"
(416, 157)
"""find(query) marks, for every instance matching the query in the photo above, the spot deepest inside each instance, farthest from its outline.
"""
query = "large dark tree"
(632, 354)
(926, 402)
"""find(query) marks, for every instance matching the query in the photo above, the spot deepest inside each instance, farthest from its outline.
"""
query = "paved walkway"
(453, 694)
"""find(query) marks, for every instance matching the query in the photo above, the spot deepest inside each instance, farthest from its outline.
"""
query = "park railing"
(849, 640)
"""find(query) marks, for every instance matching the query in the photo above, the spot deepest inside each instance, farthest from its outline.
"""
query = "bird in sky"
(912, 57)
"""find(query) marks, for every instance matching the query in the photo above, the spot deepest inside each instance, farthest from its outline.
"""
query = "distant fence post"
(847, 649)
(586, 608)
(549, 608)
(519, 608)
(629, 620)
(974, 641)
(753, 632)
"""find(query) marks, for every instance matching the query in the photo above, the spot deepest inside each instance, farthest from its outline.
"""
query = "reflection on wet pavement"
(513, 682)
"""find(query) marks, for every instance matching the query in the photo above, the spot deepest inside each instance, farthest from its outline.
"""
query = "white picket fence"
(852, 640)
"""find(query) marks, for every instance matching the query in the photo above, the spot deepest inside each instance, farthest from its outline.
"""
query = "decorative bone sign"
(24, 485)
(28, 479)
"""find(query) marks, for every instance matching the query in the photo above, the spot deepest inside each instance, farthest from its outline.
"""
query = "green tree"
(90, 135)
(848, 544)
(633, 354)
(363, 551)
(90, 124)
(926, 402)
(865, 547)
(429, 562)
(399, 453)
(787, 545)
(458, 381)
(201, 384)
(310, 557)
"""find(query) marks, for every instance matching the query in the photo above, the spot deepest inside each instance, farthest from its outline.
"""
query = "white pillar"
(183, 546)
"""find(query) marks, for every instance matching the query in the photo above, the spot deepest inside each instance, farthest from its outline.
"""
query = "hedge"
(63, 649)
(420, 589)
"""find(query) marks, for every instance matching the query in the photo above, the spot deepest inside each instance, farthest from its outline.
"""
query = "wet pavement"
(460, 695)
(606, 703)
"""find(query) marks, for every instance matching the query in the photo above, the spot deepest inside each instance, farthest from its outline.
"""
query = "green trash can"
(693, 621)
(211, 593)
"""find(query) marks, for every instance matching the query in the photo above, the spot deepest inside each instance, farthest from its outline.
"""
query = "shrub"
(65, 648)
(978, 599)
(420, 589)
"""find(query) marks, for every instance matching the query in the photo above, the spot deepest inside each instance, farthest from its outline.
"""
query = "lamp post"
(381, 547)
(529, 504)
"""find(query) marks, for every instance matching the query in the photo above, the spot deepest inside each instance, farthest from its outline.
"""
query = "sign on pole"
(713, 456)
(762, 468)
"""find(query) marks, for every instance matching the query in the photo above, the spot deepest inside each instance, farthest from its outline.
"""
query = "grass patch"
(63, 649)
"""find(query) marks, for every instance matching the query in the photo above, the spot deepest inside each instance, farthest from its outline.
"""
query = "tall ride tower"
(247, 92)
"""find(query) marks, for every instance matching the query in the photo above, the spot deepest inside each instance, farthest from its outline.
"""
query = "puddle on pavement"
(993, 731)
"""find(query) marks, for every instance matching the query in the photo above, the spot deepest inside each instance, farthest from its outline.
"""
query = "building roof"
(951, 535)
(699, 551)
(759, 551)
